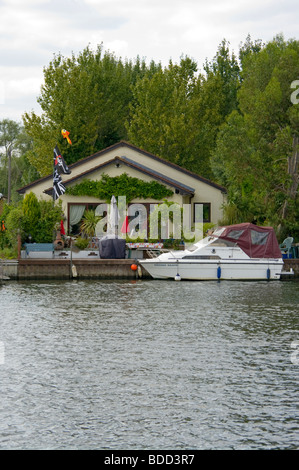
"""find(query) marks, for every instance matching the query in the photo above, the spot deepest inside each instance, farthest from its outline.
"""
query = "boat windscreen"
(220, 242)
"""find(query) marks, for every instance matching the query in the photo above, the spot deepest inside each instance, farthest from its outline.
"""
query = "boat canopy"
(255, 241)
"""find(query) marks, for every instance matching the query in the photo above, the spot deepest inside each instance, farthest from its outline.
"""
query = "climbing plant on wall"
(122, 185)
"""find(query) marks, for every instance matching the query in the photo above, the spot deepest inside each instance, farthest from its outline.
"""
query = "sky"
(33, 31)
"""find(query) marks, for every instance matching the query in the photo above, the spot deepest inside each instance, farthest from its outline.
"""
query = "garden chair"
(286, 246)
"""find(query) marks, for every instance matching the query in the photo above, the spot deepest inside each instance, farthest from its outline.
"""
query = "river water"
(149, 365)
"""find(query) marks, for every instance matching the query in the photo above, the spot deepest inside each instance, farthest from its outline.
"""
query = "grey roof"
(119, 145)
(182, 188)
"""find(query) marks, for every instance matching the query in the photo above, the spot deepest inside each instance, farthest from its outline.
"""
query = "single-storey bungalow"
(185, 186)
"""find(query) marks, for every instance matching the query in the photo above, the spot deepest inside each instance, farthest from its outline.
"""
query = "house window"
(206, 211)
(75, 215)
(143, 225)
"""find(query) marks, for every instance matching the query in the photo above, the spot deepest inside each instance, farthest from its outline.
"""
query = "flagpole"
(53, 205)
(59, 166)
(71, 258)
(53, 200)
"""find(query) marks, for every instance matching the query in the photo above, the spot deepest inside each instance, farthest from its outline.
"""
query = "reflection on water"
(149, 365)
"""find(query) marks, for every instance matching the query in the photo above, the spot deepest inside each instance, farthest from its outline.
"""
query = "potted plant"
(89, 223)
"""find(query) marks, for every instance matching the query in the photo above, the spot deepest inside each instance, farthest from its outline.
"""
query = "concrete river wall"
(26, 269)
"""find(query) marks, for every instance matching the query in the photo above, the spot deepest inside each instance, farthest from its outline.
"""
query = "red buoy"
(134, 267)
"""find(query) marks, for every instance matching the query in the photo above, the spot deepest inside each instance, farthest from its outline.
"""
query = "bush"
(9, 253)
(31, 215)
(89, 223)
(4, 239)
(81, 243)
(49, 219)
(14, 225)
(37, 218)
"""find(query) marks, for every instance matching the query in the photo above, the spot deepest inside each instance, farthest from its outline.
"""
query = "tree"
(239, 168)
(163, 113)
(267, 135)
(217, 98)
(248, 48)
(13, 223)
(9, 133)
(35, 220)
(32, 215)
(40, 218)
(88, 95)
(224, 69)
(50, 218)
(177, 112)
(173, 112)
(15, 169)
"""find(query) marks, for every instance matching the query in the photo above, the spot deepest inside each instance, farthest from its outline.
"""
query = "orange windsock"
(66, 134)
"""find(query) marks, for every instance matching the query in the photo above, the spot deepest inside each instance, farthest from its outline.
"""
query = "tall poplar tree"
(267, 131)
(162, 113)
(177, 112)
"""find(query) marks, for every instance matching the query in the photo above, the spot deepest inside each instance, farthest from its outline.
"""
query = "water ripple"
(148, 365)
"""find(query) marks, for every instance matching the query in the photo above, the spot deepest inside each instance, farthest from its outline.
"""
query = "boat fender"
(219, 272)
(268, 273)
(134, 267)
(74, 271)
(177, 277)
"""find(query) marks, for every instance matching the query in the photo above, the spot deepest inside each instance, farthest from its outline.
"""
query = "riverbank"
(27, 269)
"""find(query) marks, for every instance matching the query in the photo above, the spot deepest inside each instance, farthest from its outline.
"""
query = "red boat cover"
(257, 242)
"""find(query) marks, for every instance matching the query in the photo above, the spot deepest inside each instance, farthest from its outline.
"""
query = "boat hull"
(205, 270)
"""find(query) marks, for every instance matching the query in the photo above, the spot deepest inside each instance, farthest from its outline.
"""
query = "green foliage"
(81, 243)
(14, 145)
(256, 156)
(223, 70)
(14, 225)
(161, 113)
(176, 112)
(122, 185)
(37, 218)
(32, 215)
(171, 244)
(4, 240)
(8, 253)
(88, 95)
(40, 218)
(10, 133)
(173, 112)
(89, 223)
(50, 218)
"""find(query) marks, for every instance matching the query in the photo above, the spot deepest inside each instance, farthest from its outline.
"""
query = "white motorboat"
(235, 252)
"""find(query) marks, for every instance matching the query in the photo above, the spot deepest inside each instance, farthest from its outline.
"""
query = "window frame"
(209, 208)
